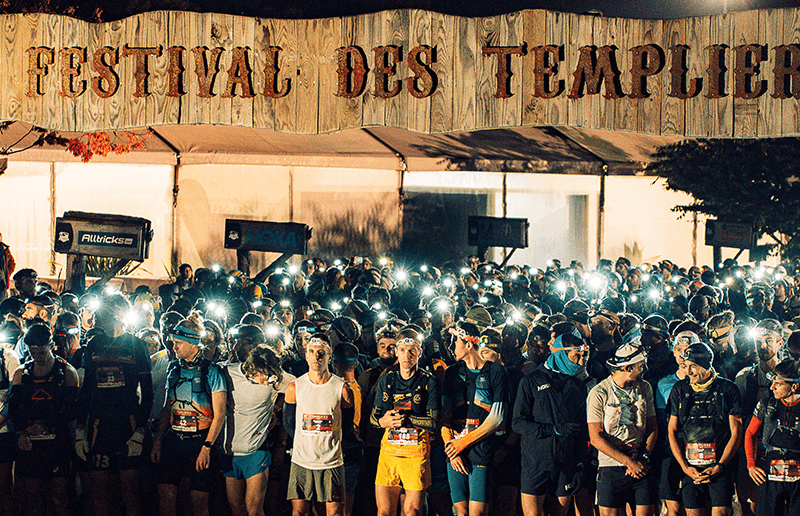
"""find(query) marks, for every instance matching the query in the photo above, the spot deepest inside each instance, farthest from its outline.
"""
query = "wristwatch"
(208, 444)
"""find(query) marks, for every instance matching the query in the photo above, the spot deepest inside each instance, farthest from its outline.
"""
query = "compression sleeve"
(750, 441)
(427, 422)
(492, 422)
(289, 414)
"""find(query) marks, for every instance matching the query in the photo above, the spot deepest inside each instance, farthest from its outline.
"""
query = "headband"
(575, 333)
(460, 333)
(187, 334)
(718, 333)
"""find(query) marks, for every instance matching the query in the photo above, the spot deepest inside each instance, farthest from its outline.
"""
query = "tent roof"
(527, 149)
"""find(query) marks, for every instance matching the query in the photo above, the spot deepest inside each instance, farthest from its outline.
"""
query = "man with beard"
(606, 336)
(754, 385)
(25, 283)
(623, 428)
(719, 329)
(38, 310)
(705, 432)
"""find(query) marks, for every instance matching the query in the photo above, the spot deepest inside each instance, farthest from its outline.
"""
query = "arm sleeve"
(378, 410)
(289, 413)
(750, 441)
(497, 414)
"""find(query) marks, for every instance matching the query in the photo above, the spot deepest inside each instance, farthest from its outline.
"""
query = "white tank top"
(318, 424)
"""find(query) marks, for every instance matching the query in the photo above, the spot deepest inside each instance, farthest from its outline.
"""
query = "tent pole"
(174, 215)
(402, 169)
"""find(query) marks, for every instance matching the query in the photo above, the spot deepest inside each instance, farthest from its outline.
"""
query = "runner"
(407, 406)
(318, 408)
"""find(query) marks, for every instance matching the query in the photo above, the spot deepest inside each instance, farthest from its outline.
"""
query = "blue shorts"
(475, 487)
(242, 467)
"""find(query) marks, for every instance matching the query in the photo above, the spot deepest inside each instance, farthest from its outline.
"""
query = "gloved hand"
(134, 444)
(81, 444)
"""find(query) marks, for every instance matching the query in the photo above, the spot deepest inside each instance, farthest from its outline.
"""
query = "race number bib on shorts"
(317, 424)
(784, 471)
(701, 454)
(403, 436)
(110, 377)
(469, 426)
(184, 420)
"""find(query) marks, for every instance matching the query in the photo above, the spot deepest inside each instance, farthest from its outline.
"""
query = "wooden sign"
(734, 75)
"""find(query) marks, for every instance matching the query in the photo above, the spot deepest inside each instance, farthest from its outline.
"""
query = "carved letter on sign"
(271, 75)
(646, 60)
(104, 60)
(352, 72)
(385, 60)
(596, 65)
(141, 74)
(545, 66)
(37, 70)
(239, 73)
(504, 72)
(787, 72)
(716, 71)
(678, 73)
(745, 68)
(71, 59)
(175, 72)
(206, 70)
(424, 81)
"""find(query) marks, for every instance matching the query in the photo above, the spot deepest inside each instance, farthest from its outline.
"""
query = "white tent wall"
(25, 220)
(330, 200)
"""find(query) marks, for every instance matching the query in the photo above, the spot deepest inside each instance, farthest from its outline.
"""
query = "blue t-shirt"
(190, 400)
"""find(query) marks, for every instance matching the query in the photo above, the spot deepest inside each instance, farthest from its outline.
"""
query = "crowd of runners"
(362, 386)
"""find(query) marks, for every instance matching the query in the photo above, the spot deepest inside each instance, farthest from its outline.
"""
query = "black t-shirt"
(467, 398)
(703, 417)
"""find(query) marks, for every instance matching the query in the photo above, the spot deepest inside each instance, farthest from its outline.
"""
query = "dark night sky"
(115, 9)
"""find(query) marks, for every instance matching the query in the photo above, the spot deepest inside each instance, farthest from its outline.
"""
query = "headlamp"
(448, 282)
(427, 291)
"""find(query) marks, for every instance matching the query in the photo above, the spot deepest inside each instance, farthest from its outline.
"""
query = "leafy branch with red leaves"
(86, 146)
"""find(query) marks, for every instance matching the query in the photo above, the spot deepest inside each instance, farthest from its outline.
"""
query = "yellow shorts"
(412, 473)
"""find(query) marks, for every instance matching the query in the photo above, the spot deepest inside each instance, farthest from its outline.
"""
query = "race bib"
(317, 424)
(784, 471)
(469, 426)
(110, 377)
(701, 454)
(184, 420)
(40, 432)
(403, 436)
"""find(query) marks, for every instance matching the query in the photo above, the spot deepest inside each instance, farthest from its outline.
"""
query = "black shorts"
(179, 460)
(719, 491)
(615, 489)
(670, 481)
(551, 482)
(43, 466)
(8, 447)
(773, 495)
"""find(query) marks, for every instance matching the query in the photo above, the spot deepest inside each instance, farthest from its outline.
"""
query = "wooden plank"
(673, 110)
(115, 35)
(626, 109)
(158, 81)
(19, 34)
(512, 34)
(770, 110)
(351, 109)
(242, 36)
(488, 34)
(698, 108)
(534, 109)
(745, 111)
(464, 82)
(198, 110)
(648, 109)
(443, 41)
(307, 90)
(221, 36)
(178, 31)
(330, 106)
(419, 110)
(263, 106)
(722, 110)
(791, 106)
(94, 118)
(369, 30)
(135, 108)
(609, 33)
(285, 108)
(395, 32)
(583, 111)
(70, 108)
(557, 32)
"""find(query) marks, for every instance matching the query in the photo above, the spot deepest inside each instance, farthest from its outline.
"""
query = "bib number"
(701, 454)
(184, 421)
(403, 436)
(784, 471)
(110, 377)
(317, 424)
(469, 426)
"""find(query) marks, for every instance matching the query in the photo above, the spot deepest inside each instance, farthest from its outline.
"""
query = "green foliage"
(748, 181)
(97, 266)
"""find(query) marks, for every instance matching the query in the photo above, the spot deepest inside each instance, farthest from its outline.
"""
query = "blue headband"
(186, 334)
